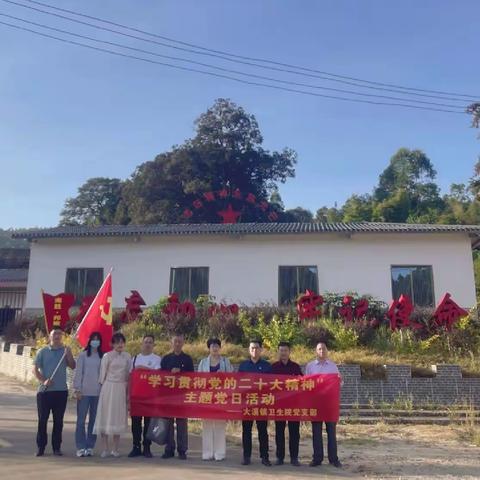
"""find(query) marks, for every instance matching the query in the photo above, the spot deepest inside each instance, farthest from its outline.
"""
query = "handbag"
(158, 430)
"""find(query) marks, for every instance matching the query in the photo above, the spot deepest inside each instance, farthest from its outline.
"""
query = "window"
(189, 282)
(83, 282)
(414, 281)
(293, 281)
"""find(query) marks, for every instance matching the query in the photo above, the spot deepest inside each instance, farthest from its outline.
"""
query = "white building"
(250, 263)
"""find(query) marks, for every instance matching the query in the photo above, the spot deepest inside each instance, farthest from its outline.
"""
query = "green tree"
(358, 208)
(298, 214)
(95, 204)
(226, 151)
(406, 190)
(329, 214)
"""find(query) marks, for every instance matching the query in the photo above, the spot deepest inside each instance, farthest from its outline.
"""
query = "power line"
(216, 55)
(239, 80)
(242, 56)
(261, 77)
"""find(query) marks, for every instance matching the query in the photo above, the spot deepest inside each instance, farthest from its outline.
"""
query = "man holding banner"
(255, 364)
(50, 369)
(323, 365)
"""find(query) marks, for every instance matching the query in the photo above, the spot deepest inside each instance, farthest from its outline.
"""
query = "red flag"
(55, 308)
(99, 317)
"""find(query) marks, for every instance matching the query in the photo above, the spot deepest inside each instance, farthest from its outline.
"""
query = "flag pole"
(44, 312)
(44, 387)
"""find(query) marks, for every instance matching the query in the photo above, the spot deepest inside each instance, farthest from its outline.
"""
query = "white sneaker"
(80, 452)
(89, 452)
(104, 454)
(115, 454)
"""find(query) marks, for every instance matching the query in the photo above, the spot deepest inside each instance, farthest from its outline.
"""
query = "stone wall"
(446, 386)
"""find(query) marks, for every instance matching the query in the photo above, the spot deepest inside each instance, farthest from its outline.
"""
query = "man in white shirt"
(146, 360)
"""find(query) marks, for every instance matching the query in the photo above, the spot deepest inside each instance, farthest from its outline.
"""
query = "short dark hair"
(213, 341)
(56, 328)
(256, 340)
(324, 341)
(284, 344)
(178, 334)
(148, 335)
(118, 337)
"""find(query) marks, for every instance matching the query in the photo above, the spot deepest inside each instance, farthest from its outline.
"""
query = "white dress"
(112, 404)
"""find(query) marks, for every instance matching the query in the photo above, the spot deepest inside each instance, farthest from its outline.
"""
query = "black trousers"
(182, 435)
(262, 438)
(293, 439)
(137, 431)
(56, 402)
(331, 428)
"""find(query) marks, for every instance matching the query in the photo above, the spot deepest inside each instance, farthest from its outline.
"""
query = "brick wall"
(447, 385)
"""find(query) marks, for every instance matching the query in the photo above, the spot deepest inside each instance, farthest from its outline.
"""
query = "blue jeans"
(87, 404)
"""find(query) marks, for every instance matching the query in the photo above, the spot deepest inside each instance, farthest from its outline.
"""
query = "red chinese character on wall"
(197, 204)
(308, 305)
(174, 306)
(237, 194)
(232, 309)
(187, 213)
(346, 310)
(223, 193)
(399, 312)
(133, 307)
(448, 313)
(209, 196)
(250, 198)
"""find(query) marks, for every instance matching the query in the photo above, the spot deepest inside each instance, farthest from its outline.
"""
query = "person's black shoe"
(295, 462)
(182, 455)
(168, 455)
(136, 452)
(314, 463)
(147, 453)
(266, 462)
(279, 462)
(58, 453)
(336, 464)
(40, 452)
(246, 461)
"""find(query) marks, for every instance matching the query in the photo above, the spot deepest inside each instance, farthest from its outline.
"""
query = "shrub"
(312, 333)
(279, 329)
(343, 337)
(224, 326)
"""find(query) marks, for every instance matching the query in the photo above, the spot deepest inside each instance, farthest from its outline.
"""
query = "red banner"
(235, 396)
(55, 308)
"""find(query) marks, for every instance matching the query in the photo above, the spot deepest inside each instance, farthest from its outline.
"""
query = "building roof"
(242, 229)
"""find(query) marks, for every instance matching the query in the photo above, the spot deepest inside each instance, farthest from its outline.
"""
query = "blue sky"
(68, 114)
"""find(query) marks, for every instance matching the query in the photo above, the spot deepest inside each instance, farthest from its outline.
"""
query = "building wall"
(245, 268)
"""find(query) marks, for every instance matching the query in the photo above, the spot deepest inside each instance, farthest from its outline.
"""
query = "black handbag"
(158, 430)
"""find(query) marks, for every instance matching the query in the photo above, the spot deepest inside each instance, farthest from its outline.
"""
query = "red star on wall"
(229, 215)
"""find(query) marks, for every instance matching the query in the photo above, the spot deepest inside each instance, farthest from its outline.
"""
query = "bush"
(334, 301)
(279, 329)
(224, 326)
(312, 333)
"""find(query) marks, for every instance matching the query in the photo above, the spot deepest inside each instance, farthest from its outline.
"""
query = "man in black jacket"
(175, 362)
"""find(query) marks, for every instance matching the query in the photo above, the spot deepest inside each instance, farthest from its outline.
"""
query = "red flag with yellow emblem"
(99, 317)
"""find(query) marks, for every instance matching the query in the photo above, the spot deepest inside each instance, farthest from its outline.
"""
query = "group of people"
(101, 389)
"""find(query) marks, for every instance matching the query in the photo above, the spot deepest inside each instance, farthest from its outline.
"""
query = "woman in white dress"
(213, 431)
(112, 405)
